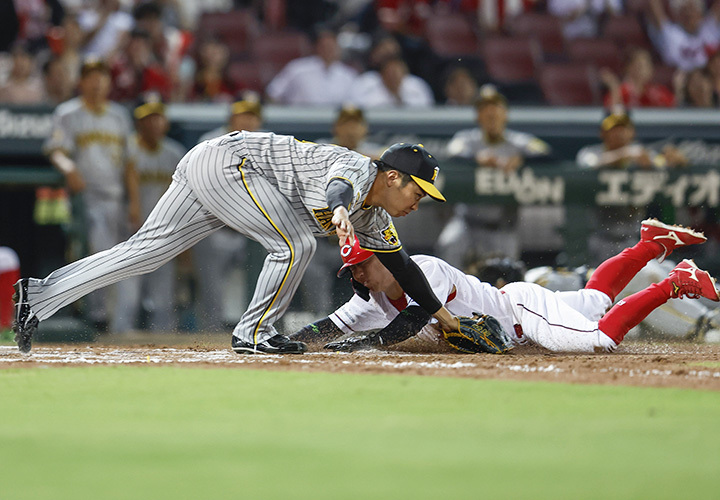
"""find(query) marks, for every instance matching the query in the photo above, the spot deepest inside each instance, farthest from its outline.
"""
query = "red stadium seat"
(250, 75)
(511, 59)
(569, 84)
(597, 51)
(626, 31)
(545, 28)
(279, 48)
(235, 28)
(451, 35)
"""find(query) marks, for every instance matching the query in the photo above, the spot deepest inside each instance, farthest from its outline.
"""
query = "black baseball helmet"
(414, 160)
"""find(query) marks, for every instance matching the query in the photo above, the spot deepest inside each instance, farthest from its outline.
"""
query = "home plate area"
(673, 364)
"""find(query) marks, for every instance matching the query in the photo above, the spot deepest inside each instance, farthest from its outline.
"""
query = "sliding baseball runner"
(573, 321)
(282, 193)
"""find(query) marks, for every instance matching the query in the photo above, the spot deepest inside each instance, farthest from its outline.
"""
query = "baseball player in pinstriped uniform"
(88, 144)
(214, 256)
(277, 190)
(563, 322)
(153, 157)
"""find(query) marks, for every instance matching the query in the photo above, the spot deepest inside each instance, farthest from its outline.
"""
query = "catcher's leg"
(248, 202)
(175, 224)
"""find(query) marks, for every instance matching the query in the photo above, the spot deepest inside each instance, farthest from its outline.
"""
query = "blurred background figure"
(211, 81)
(483, 228)
(350, 130)
(694, 89)
(582, 18)
(104, 27)
(320, 79)
(460, 87)
(58, 85)
(135, 70)
(152, 156)
(684, 42)
(88, 144)
(615, 228)
(24, 85)
(637, 88)
(220, 260)
(392, 85)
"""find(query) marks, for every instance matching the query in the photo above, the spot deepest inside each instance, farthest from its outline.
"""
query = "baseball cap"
(247, 106)
(150, 104)
(348, 113)
(615, 119)
(414, 160)
(488, 94)
(93, 64)
(352, 255)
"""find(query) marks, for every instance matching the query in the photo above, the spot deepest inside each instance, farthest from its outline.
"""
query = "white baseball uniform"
(156, 290)
(97, 143)
(558, 321)
(270, 188)
(675, 318)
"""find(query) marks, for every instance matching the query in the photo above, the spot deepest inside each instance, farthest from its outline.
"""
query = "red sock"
(615, 273)
(631, 310)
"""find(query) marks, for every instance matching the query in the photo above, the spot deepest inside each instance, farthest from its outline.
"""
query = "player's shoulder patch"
(389, 234)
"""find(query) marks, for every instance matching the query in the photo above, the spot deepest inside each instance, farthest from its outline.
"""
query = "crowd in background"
(368, 52)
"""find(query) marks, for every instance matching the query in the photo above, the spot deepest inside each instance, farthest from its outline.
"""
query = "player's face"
(373, 275)
(401, 200)
(95, 85)
(245, 121)
(153, 127)
(492, 119)
(350, 132)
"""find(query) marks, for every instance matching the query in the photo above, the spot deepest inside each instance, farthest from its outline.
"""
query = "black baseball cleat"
(278, 344)
(26, 323)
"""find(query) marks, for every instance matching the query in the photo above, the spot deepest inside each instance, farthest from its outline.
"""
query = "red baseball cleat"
(689, 280)
(670, 237)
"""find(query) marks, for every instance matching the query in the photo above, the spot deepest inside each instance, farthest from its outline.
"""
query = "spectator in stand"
(637, 88)
(694, 89)
(69, 47)
(153, 157)
(88, 144)
(135, 70)
(58, 86)
(169, 45)
(581, 18)
(483, 228)
(685, 44)
(24, 85)
(320, 79)
(36, 17)
(713, 71)
(211, 81)
(460, 88)
(391, 86)
(614, 227)
(104, 28)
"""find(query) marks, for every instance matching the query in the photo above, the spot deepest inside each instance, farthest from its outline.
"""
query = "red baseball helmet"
(351, 255)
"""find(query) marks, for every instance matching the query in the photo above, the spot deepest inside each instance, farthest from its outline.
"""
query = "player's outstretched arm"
(405, 325)
(319, 332)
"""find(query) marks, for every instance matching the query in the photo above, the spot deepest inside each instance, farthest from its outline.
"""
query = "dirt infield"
(673, 364)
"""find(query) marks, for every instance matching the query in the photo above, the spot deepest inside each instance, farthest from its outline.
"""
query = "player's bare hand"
(75, 181)
(343, 226)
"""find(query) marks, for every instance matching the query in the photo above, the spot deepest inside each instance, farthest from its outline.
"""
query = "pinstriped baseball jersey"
(154, 168)
(302, 170)
(97, 142)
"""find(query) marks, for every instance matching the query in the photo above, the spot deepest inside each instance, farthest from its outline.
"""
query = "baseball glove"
(479, 334)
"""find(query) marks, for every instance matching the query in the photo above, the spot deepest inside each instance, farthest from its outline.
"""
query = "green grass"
(177, 433)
